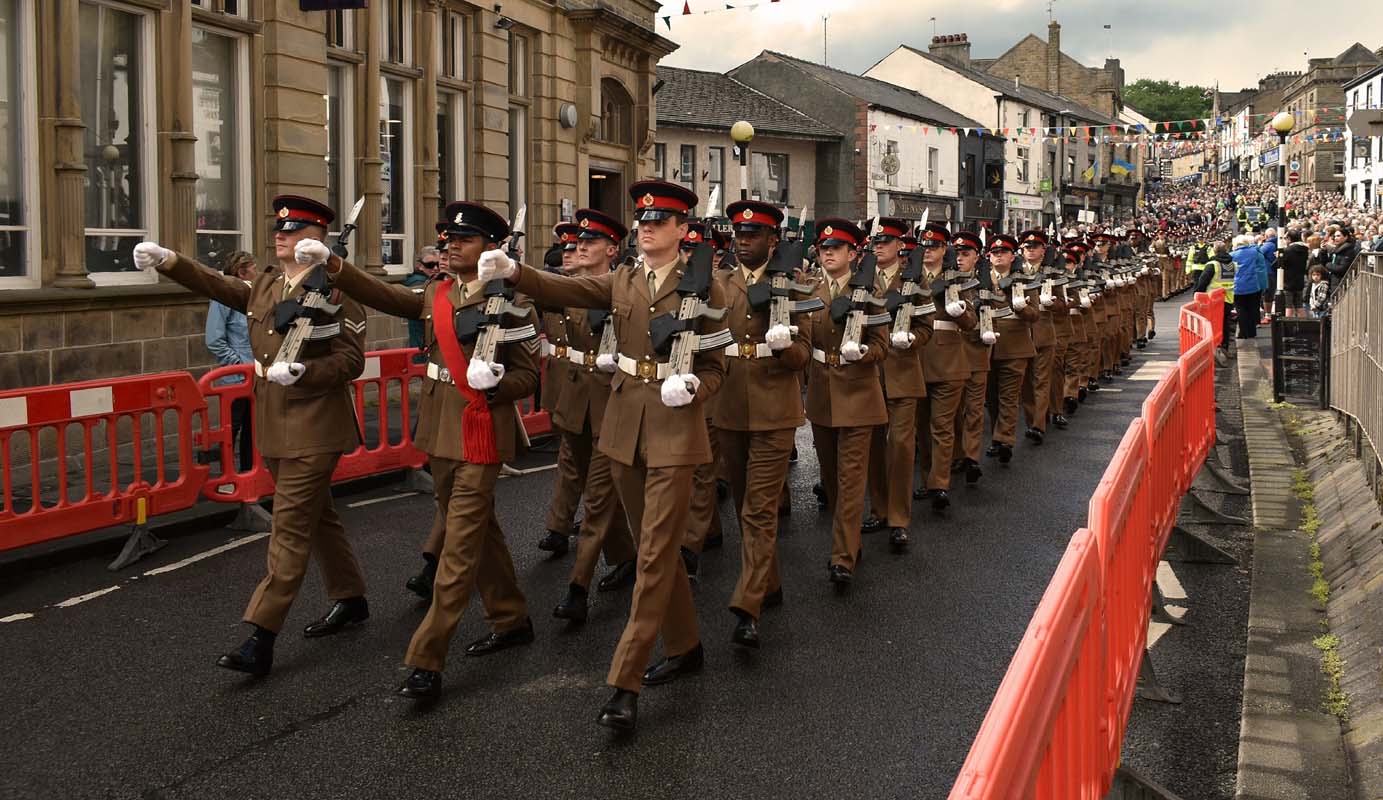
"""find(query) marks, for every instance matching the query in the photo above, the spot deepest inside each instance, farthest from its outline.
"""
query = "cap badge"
(460, 217)
(827, 231)
(585, 222)
(648, 199)
(693, 235)
(748, 214)
(283, 212)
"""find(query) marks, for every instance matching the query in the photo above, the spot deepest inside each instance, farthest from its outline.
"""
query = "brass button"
(651, 309)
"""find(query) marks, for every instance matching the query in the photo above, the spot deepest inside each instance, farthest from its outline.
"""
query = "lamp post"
(1282, 124)
(742, 133)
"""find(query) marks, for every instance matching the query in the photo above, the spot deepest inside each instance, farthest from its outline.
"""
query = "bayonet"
(342, 247)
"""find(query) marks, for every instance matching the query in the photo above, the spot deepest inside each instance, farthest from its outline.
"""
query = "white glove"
(1045, 299)
(1085, 302)
(989, 337)
(677, 390)
(1019, 301)
(495, 264)
(851, 352)
(150, 254)
(1143, 271)
(482, 375)
(605, 362)
(310, 252)
(956, 309)
(1094, 295)
(902, 340)
(779, 337)
(284, 373)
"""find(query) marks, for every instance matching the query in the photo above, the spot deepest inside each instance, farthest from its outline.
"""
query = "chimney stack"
(952, 47)
(1054, 57)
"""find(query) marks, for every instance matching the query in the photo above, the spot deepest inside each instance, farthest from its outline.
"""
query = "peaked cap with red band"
(836, 230)
(292, 212)
(934, 235)
(660, 199)
(891, 228)
(967, 239)
(1002, 241)
(752, 213)
(565, 233)
(592, 224)
(696, 234)
(1033, 235)
(441, 234)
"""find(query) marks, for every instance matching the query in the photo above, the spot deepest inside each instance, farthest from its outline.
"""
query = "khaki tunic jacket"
(902, 369)
(1015, 334)
(554, 375)
(673, 436)
(584, 389)
(316, 415)
(944, 359)
(760, 394)
(442, 403)
(839, 394)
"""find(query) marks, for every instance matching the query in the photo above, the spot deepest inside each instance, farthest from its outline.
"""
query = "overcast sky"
(1193, 41)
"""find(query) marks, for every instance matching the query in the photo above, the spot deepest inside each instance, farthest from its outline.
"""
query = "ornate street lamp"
(1282, 124)
(743, 133)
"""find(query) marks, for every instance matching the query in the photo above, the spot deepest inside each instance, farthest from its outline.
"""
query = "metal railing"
(1356, 357)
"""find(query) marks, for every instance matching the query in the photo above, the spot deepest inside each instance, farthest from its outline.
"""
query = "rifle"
(909, 302)
(341, 248)
(677, 334)
(298, 320)
(485, 326)
(852, 309)
(777, 293)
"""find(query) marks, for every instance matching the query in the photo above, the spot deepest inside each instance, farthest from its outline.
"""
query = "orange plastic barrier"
(135, 461)
(1057, 721)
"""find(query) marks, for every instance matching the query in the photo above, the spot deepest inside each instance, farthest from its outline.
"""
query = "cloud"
(1192, 41)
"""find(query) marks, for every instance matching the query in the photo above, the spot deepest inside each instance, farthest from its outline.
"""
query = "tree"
(1161, 101)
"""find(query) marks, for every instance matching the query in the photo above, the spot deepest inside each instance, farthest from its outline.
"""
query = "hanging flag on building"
(1120, 167)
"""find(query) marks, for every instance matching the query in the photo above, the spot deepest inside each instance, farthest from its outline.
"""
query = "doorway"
(605, 191)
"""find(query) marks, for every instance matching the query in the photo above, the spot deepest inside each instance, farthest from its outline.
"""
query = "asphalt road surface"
(876, 692)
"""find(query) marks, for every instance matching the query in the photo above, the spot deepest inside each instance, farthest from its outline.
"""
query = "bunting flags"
(712, 8)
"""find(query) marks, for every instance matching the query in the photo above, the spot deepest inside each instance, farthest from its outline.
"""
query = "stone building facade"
(1043, 65)
(1316, 143)
(179, 120)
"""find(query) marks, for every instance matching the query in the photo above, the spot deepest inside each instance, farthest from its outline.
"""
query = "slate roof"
(879, 93)
(1026, 94)
(698, 99)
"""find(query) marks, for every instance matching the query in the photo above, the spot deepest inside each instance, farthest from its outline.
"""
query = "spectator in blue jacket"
(228, 338)
(1269, 250)
(1250, 280)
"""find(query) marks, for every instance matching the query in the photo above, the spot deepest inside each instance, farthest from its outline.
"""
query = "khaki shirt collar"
(662, 272)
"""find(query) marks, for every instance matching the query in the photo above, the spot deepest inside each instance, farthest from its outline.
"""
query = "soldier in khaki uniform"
(845, 399)
(654, 431)
(561, 511)
(758, 408)
(579, 417)
(304, 420)
(1037, 381)
(970, 418)
(894, 445)
(474, 553)
(704, 531)
(946, 367)
(1013, 348)
(1068, 339)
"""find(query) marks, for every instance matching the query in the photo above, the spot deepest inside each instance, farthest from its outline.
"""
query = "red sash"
(477, 427)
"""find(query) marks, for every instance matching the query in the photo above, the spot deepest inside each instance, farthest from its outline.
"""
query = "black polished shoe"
(255, 656)
(840, 575)
(621, 712)
(919, 493)
(343, 614)
(496, 642)
(746, 631)
(554, 543)
(674, 667)
(898, 539)
(692, 562)
(957, 464)
(1093, 385)
(871, 524)
(792, 459)
(573, 606)
(1071, 405)
(1035, 436)
(774, 598)
(973, 473)
(1060, 421)
(712, 543)
(822, 502)
(421, 584)
(1004, 452)
(1118, 369)
(1141, 344)
(1082, 393)
(941, 500)
(621, 576)
(423, 684)
(1152, 334)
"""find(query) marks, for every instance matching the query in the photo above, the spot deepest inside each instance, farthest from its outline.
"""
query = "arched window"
(616, 113)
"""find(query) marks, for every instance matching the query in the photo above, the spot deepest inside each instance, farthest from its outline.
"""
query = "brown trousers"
(657, 499)
(756, 464)
(571, 479)
(603, 528)
(474, 555)
(970, 418)
(1037, 387)
(1005, 394)
(305, 521)
(1057, 383)
(1073, 369)
(892, 453)
(936, 422)
(844, 457)
(703, 519)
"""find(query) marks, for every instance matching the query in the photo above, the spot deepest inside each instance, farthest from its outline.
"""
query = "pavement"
(111, 690)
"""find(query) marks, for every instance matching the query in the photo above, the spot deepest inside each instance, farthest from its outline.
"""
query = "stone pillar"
(490, 156)
(426, 172)
(367, 88)
(176, 139)
(68, 206)
(294, 114)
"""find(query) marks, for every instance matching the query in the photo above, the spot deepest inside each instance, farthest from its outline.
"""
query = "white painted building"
(1364, 155)
(909, 158)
